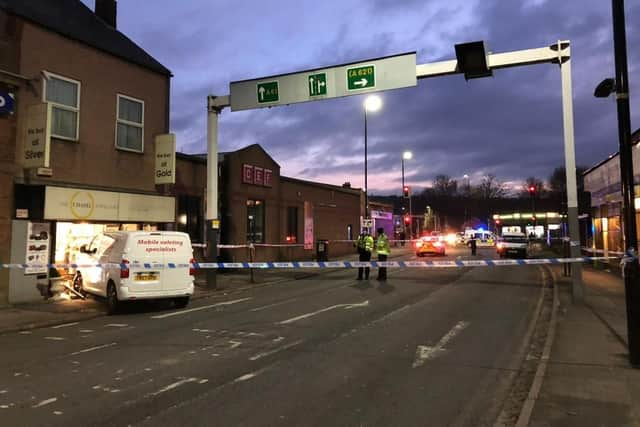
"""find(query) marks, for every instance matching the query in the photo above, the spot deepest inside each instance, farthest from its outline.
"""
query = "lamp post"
(407, 155)
(371, 103)
(621, 87)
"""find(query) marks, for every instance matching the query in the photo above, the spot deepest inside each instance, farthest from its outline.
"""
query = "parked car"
(135, 282)
(513, 244)
(430, 245)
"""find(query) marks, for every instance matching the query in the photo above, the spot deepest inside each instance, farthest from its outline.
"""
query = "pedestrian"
(473, 245)
(383, 250)
(365, 247)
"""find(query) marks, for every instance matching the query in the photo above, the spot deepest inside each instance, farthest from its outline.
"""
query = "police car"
(431, 244)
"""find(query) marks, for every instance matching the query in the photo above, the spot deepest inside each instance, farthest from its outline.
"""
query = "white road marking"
(4, 406)
(205, 307)
(17, 374)
(424, 353)
(25, 332)
(58, 412)
(264, 307)
(3, 391)
(54, 338)
(86, 331)
(45, 402)
(87, 350)
(234, 343)
(176, 384)
(277, 339)
(202, 330)
(274, 351)
(245, 377)
(116, 325)
(333, 307)
(64, 325)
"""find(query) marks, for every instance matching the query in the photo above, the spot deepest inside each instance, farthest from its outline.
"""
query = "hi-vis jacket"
(365, 243)
(382, 245)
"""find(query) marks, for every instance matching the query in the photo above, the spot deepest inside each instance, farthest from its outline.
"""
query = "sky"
(509, 125)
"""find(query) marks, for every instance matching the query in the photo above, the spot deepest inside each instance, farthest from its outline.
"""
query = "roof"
(74, 20)
(635, 139)
(349, 190)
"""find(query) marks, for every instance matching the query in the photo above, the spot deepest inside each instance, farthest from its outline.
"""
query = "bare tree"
(490, 188)
(445, 186)
(558, 179)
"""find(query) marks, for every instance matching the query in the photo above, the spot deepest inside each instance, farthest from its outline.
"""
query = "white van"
(135, 249)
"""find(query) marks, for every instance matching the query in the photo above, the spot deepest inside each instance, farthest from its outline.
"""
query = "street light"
(407, 155)
(371, 103)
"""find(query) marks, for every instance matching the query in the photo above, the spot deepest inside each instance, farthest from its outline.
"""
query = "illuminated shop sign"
(257, 175)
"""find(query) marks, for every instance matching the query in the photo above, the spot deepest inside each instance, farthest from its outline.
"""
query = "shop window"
(292, 224)
(130, 124)
(190, 217)
(255, 221)
(64, 96)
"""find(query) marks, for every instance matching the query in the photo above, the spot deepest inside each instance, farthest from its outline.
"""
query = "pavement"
(588, 380)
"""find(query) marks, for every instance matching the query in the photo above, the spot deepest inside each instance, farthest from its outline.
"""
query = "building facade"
(78, 150)
(604, 184)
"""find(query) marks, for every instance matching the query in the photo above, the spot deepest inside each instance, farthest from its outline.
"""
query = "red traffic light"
(532, 189)
(405, 191)
(407, 219)
(497, 222)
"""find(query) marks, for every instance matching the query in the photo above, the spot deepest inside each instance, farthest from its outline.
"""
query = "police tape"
(319, 264)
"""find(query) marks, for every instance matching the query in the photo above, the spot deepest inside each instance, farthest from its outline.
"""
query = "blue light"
(481, 229)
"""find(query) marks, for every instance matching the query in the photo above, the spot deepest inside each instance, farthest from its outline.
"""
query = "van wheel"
(78, 285)
(181, 302)
(112, 299)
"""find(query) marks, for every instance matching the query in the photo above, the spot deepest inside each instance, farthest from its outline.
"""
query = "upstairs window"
(64, 96)
(130, 124)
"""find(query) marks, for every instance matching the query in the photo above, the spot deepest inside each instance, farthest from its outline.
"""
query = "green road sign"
(267, 92)
(362, 77)
(317, 84)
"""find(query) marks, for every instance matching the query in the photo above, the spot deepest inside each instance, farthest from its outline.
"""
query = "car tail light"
(437, 244)
(124, 270)
(192, 269)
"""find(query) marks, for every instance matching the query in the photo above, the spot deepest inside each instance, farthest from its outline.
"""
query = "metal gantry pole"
(564, 57)
(632, 291)
(366, 193)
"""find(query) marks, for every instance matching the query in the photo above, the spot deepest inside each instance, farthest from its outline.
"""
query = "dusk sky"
(509, 125)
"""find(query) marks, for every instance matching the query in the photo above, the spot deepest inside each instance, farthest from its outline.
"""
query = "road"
(429, 347)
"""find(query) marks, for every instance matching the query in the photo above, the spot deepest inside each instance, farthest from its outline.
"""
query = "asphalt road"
(428, 347)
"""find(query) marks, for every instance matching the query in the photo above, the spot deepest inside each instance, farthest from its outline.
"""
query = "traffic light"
(407, 219)
(532, 190)
(405, 191)
(497, 222)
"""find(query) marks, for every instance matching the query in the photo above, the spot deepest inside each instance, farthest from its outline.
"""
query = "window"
(292, 224)
(64, 96)
(130, 124)
(255, 221)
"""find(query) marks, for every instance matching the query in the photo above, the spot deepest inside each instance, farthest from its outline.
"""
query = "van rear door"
(177, 250)
(144, 248)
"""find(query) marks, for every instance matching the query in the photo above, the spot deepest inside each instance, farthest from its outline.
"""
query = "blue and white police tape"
(320, 264)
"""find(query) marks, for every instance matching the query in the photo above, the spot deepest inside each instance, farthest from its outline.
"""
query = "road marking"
(274, 351)
(3, 391)
(25, 332)
(264, 307)
(424, 353)
(54, 338)
(86, 331)
(64, 325)
(45, 402)
(178, 313)
(333, 307)
(277, 339)
(202, 330)
(176, 384)
(58, 412)
(116, 325)
(234, 343)
(87, 350)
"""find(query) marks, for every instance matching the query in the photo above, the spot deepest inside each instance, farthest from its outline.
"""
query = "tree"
(445, 186)
(558, 179)
(490, 188)
(538, 187)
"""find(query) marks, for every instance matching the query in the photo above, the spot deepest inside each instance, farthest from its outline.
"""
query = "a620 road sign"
(362, 77)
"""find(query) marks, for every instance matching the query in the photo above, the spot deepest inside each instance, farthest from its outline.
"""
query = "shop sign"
(381, 215)
(165, 172)
(308, 225)
(256, 175)
(89, 205)
(22, 213)
(37, 250)
(37, 136)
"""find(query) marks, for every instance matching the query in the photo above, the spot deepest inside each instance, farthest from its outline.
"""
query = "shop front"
(54, 228)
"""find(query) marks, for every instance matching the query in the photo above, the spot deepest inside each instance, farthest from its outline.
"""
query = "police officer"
(365, 247)
(473, 245)
(383, 250)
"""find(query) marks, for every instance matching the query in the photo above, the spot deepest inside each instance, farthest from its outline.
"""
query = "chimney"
(106, 10)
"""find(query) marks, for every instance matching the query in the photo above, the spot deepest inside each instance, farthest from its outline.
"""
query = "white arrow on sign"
(361, 82)
(311, 87)
(3, 101)
(261, 90)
